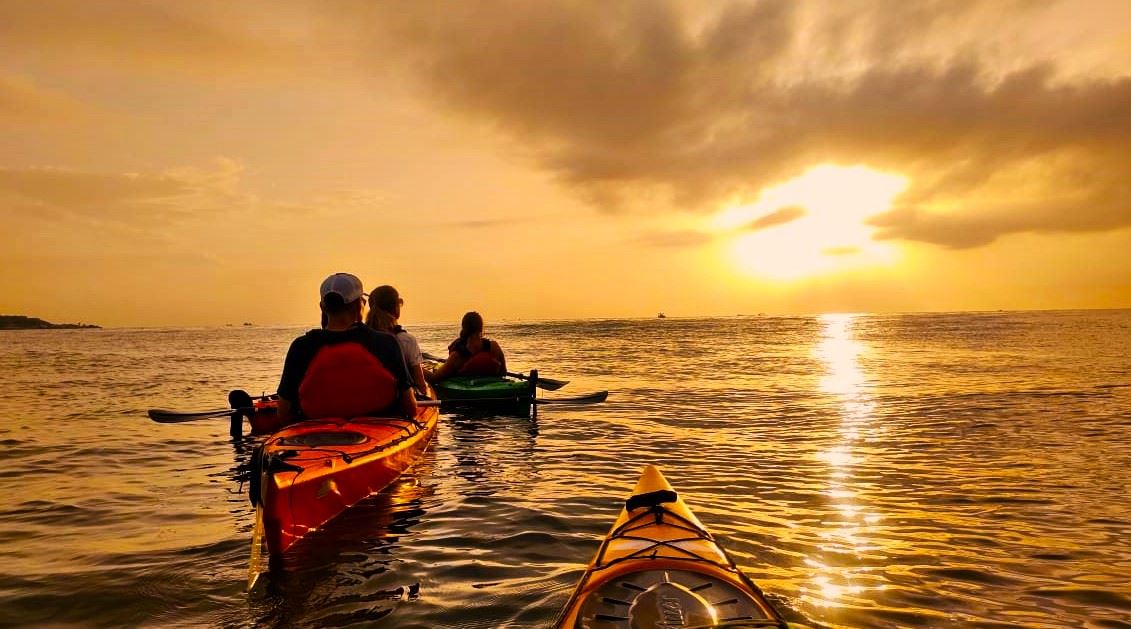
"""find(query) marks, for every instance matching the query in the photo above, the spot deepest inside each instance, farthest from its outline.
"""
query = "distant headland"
(20, 322)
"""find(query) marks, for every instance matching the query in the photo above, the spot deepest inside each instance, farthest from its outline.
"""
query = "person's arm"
(294, 367)
(408, 403)
(414, 359)
(284, 411)
(388, 350)
(449, 368)
(497, 350)
(419, 380)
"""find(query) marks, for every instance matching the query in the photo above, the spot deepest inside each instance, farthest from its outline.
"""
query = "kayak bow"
(659, 567)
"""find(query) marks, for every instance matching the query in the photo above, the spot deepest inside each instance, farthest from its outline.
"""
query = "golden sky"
(209, 162)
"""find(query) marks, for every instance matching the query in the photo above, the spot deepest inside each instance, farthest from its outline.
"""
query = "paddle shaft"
(163, 416)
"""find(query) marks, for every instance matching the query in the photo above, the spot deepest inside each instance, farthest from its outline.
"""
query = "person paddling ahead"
(345, 369)
(471, 354)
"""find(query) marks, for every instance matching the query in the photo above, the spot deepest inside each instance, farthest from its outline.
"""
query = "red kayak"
(308, 472)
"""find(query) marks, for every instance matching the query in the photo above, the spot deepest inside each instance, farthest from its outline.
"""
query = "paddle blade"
(255, 567)
(163, 416)
(549, 384)
(590, 398)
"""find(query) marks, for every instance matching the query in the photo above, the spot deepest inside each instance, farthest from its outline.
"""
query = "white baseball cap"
(345, 285)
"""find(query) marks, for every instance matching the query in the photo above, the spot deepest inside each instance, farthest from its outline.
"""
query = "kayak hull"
(659, 567)
(486, 392)
(311, 471)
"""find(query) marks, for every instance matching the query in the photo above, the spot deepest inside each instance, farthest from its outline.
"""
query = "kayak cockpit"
(668, 598)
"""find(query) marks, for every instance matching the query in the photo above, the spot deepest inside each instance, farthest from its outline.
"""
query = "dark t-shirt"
(381, 344)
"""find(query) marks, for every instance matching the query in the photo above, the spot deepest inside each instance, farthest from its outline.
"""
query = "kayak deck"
(309, 472)
(659, 567)
(484, 389)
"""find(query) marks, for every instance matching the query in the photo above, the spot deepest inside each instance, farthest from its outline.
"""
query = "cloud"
(121, 198)
(482, 224)
(777, 217)
(640, 100)
(193, 37)
(23, 102)
(675, 238)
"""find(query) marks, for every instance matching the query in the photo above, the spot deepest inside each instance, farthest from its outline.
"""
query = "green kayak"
(485, 390)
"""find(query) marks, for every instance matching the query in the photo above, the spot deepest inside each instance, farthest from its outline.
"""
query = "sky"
(203, 163)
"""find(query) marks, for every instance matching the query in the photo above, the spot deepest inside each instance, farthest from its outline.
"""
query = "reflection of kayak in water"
(658, 567)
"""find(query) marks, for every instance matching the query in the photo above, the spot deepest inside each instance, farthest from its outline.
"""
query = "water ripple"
(941, 470)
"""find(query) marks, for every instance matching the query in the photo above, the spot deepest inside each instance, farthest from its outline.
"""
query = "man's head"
(341, 294)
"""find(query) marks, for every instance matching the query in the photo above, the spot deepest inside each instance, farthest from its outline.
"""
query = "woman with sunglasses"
(384, 313)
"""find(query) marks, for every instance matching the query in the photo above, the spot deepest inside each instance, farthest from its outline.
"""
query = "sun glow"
(813, 224)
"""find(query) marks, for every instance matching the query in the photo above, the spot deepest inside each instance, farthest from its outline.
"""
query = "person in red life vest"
(471, 354)
(385, 305)
(345, 369)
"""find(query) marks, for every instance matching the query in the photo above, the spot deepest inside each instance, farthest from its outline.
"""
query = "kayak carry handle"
(650, 499)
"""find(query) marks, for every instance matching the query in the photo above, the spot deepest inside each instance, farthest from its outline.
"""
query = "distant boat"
(661, 316)
(246, 323)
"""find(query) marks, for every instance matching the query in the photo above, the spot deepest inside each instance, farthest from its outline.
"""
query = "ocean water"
(925, 470)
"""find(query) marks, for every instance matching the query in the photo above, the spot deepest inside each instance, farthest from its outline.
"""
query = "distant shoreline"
(20, 322)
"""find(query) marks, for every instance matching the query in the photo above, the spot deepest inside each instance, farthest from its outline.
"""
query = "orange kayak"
(308, 472)
(659, 567)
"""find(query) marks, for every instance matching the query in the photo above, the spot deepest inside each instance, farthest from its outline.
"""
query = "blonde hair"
(380, 320)
(383, 302)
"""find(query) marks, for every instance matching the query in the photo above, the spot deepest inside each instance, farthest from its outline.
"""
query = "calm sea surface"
(935, 470)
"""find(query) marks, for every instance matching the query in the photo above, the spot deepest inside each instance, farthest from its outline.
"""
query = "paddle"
(549, 384)
(589, 398)
(255, 567)
(163, 416)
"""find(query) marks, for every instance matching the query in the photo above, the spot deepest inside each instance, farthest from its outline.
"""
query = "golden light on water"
(813, 224)
(840, 352)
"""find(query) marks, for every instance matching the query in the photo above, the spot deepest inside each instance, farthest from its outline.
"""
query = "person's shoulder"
(403, 333)
(371, 334)
(309, 337)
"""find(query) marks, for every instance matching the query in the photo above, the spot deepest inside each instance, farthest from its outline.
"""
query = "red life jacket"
(481, 363)
(346, 380)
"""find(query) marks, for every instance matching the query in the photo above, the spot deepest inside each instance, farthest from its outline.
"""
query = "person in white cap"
(344, 369)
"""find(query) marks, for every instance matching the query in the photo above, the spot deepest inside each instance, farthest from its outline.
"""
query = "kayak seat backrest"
(650, 499)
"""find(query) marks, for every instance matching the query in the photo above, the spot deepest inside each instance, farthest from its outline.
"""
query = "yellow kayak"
(658, 567)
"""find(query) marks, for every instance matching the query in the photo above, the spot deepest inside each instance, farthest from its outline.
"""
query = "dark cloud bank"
(647, 100)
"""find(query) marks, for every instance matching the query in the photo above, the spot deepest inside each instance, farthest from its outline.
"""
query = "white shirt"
(410, 348)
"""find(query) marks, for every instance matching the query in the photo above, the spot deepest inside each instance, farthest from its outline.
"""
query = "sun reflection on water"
(844, 380)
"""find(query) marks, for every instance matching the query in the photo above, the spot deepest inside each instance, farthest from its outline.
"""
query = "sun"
(812, 224)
